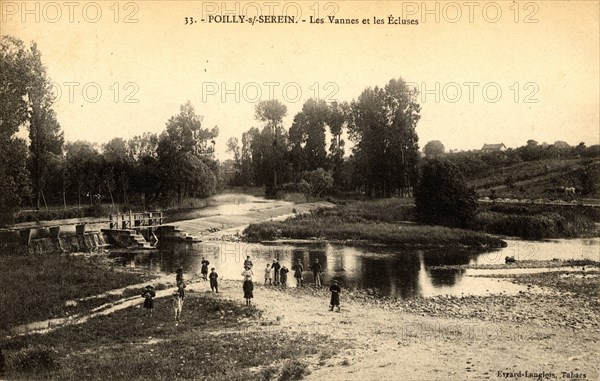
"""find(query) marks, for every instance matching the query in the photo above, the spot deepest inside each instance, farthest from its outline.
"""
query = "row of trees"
(146, 169)
(381, 123)
(43, 169)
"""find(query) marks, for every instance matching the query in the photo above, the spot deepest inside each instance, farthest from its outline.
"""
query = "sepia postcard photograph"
(284, 190)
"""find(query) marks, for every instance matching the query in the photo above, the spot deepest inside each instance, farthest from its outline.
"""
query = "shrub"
(32, 359)
(443, 197)
(293, 370)
(261, 232)
(320, 181)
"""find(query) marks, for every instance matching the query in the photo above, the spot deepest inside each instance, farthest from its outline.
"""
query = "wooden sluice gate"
(142, 230)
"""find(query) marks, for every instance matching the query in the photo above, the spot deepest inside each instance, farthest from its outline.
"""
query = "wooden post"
(25, 235)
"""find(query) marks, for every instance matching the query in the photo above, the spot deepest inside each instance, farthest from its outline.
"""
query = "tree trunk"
(111, 196)
(44, 198)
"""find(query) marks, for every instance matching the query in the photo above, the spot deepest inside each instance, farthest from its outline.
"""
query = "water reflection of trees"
(446, 277)
(394, 272)
(396, 276)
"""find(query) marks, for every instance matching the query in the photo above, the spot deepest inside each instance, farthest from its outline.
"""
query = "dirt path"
(392, 345)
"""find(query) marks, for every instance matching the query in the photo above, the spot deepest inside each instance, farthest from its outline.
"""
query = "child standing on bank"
(248, 286)
(335, 290)
(214, 284)
(268, 275)
(148, 296)
(179, 276)
(178, 297)
(283, 276)
(204, 268)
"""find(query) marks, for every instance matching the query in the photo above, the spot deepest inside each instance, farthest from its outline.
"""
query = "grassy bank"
(537, 221)
(393, 221)
(217, 339)
(36, 287)
(373, 221)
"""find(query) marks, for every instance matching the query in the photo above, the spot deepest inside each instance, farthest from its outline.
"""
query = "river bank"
(552, 326)
(372, 338)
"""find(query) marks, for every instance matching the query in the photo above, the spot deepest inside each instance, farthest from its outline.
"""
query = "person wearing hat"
(335, 290)
(148, 296)
(204, 269)
(248, 286)
(298, 269)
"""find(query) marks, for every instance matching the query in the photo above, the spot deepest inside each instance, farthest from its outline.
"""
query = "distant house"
(487, 148)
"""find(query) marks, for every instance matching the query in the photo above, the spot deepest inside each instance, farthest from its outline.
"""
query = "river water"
(390, 271)
(396, 272)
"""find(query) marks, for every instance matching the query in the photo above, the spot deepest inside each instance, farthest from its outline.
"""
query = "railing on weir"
(132, 220)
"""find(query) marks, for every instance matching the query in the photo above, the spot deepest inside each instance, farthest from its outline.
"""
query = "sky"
(487, 72)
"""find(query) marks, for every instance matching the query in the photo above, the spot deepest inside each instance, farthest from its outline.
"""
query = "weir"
(139, 230)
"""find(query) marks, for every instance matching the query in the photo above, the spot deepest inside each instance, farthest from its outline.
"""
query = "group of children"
(275, 274)
(279, 278)
(179, 295)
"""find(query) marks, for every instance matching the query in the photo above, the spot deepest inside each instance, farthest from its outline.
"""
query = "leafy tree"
(142, 145)
(14, 177)
(120, 165)
(26, 100)
(270, 112)
(383, 122)
(185, 156)
(434, 149)
(83, 164)
(307, 136)
(442, 195)
(269, 146)
(15, 78)
(246, 172)
(338, 118)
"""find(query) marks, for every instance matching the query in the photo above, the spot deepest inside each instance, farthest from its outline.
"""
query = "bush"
(443, 197)
(293, 370)
(261, 232)
(320, 181)
(32, 359)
